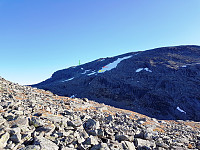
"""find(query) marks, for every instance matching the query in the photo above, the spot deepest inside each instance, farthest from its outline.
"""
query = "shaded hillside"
(163, 83)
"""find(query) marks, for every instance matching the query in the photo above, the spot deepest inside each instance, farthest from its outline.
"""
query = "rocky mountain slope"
(33, 119)
(163, 83)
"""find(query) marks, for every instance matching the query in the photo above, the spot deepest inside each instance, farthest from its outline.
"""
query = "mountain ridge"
(159, 82)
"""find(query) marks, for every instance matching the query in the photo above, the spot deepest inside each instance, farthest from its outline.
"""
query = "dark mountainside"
(163, 83)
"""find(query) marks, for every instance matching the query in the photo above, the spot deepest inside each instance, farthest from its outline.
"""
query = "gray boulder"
(45, 143)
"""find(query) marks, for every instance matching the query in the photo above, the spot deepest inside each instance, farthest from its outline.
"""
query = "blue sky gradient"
(38, 37)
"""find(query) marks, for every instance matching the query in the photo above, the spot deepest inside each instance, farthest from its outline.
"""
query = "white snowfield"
(107, 67)
(146, 69)
(68, 79)
(113, 64)
(179, 109)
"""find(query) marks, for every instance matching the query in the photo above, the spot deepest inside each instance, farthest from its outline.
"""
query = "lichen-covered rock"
(36, 122)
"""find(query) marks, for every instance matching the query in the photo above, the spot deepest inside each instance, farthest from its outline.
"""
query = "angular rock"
(21, 121)
(16, 138)
(92, 140)
(47, 128)
(36, 122)
(102, 146)
(31, 147)
(45, 143)
(3, 140)
(91, 124)
(85, 99)
(122, 137)
(115, 146)
(69, 139)
(10, 145)
(140, 143)
(128, 145)
(2, 121)
(75, 123)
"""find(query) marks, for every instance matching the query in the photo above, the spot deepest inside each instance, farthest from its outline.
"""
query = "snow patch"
(81, 68)
(179, 109)
(68, 79)
(190, 64)
(73, 96)
(138, 70)
(113, 64)
(146, 69)
(91, 73)
(85, 72)
(102, 59)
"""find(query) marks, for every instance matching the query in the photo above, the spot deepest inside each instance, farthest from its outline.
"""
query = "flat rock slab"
(45, 144)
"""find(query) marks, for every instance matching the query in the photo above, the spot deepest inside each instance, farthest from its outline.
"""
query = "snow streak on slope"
(93, 72)
(68, 79)
(113, 64)
(179, 109)
(146, 69)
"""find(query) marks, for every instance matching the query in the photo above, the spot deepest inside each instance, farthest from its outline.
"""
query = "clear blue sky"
(38, 37)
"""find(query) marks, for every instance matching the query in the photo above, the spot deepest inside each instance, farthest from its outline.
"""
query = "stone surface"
(50, 122)
(45, 143)
(21, 121)
(31, 147)
(128, 145)
(91, 124)
(142, 144)
(3, 139)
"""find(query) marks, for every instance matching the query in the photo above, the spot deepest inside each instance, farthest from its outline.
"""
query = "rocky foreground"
(33, 119)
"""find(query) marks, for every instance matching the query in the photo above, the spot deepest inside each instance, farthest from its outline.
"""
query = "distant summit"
(163, 83)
